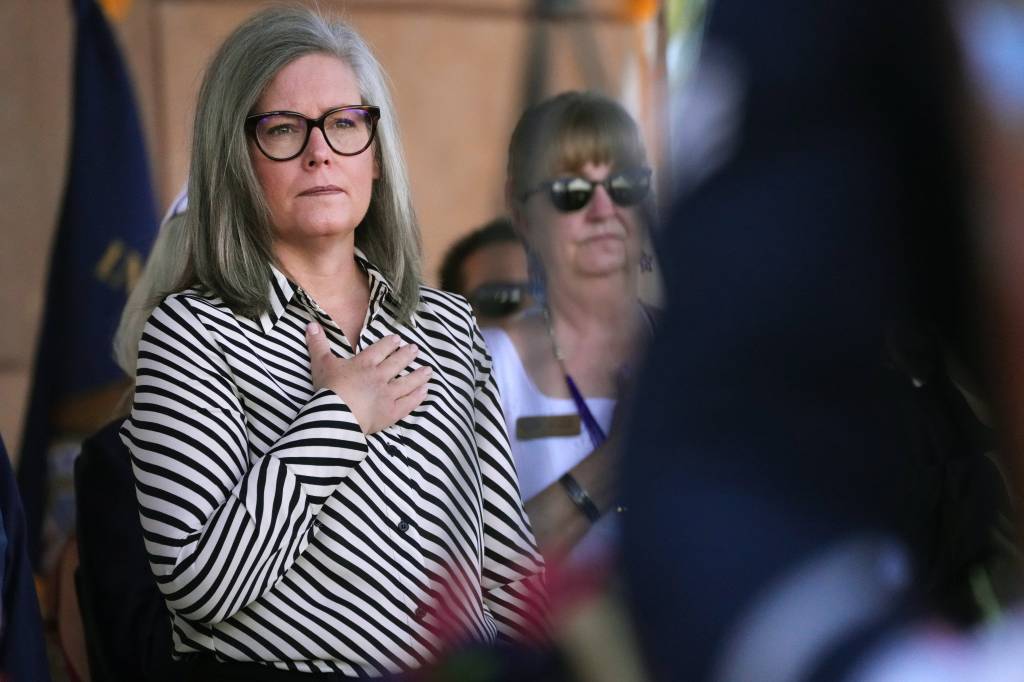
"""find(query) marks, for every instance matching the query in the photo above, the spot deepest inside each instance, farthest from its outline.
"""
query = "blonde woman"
(578, 183)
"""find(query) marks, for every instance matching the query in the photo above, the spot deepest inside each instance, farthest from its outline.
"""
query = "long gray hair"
(228, 221)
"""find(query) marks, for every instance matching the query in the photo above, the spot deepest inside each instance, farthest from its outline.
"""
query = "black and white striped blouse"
(279, 533)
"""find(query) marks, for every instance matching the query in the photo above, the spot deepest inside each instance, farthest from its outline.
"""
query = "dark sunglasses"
(571, 193)
(497, 299)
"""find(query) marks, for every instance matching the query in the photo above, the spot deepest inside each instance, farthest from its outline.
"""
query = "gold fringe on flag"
(116, 10)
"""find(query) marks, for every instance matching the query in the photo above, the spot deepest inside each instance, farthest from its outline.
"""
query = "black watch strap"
(580, 497)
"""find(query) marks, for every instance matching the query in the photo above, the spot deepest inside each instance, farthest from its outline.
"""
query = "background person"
(22, 644)
(577, 176)
(488, 267)
(127, 627)
(346, 510)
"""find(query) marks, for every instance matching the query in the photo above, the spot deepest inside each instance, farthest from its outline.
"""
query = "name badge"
(530, 428)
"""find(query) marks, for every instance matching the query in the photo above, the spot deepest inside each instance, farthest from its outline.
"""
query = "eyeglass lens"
(626, 188)
(283, 136)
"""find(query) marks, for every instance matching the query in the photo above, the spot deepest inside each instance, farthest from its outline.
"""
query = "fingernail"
(312, 328)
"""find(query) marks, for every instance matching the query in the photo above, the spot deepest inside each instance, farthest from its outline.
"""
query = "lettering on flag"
(119, 267)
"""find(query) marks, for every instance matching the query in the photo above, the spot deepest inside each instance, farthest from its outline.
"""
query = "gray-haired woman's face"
(318, 195)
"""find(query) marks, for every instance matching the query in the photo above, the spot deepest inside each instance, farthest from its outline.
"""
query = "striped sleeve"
(222, 524)
(513, 569)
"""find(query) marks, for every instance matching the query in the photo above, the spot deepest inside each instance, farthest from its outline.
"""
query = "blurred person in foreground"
(320, 458)
(488, 267)
(578, 181)
(22, 644)
(806, 478)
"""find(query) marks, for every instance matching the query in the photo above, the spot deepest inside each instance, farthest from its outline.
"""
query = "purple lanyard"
(597, 435)
(594, 430)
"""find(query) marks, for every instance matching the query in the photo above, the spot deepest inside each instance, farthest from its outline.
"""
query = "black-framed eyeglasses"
(283, 135)
(627, 187)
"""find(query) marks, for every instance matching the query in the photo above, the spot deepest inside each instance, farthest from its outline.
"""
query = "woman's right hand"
(369, 382)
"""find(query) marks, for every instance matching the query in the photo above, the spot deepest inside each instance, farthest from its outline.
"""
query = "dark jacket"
(127, 625)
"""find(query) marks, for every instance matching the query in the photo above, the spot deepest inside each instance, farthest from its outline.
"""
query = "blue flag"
(107, 224)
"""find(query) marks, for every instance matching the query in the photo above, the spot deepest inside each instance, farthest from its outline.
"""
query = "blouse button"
(403, 525)
(420, 613)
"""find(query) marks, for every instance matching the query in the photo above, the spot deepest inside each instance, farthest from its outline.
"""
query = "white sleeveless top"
(541, 461)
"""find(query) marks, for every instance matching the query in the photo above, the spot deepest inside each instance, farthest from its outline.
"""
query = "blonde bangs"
(566, 132)
(599, 144)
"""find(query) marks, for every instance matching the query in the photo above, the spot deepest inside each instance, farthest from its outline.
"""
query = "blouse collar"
(282, 291)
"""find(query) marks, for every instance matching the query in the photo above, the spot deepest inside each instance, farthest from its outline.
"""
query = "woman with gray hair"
(321, 462)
